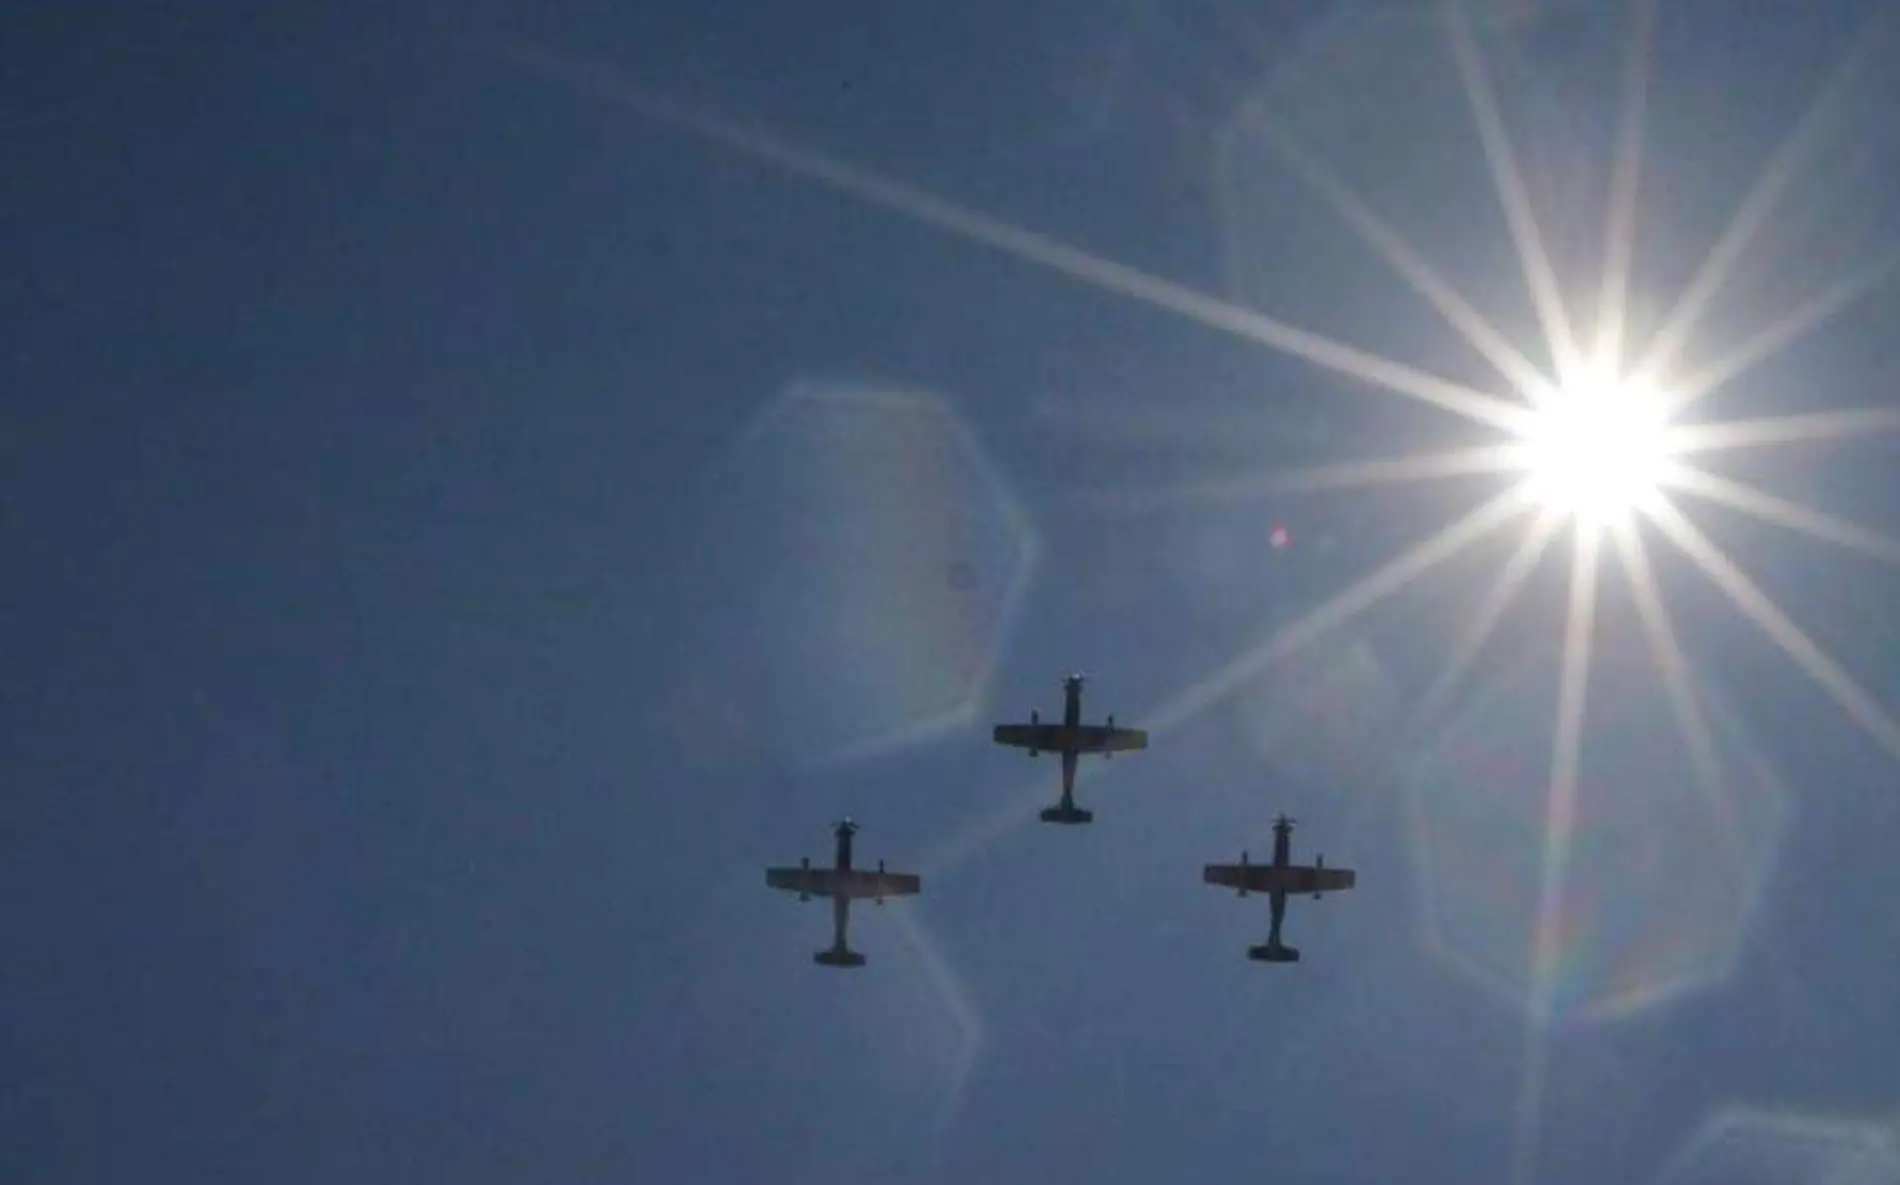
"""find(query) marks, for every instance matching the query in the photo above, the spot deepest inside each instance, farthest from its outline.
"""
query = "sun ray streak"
(1620, 231)
(1380, 471)
(1158, 499)
(1565, 759)
(1566, 756)
(1755, 604)
(1525, 236)
(1530, 1105)
(1510, 579)
(1389, 578)
(1659, 628)
(1690, 721)
(1506, 358)
(1342, 607)
(1690, 718)
(1747, 220)
(1342, 475)
(1784, 513)
(1848, 423)
(1784, 331)
(1025, 245)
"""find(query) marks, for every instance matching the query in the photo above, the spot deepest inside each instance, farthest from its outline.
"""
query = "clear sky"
(479, 485)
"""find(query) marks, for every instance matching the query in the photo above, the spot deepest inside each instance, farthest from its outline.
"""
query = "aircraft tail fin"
(1067, 814)
(837, 957)
(1274, 952)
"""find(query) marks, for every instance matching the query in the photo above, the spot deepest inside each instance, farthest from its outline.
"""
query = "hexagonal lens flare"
(1318, 717)
(874, 561)
(1743, 1146)
(1662, 869)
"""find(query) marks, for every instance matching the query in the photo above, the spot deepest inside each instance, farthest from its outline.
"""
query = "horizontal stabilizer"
(838, 958)
(1067, 814)
(1273, 952)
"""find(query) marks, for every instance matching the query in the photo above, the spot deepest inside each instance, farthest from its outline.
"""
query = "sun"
(1597, 447)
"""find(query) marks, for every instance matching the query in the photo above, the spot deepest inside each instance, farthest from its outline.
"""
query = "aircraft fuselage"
(1275, 950)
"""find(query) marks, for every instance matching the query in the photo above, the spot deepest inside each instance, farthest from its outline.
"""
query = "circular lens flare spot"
(1598, 447)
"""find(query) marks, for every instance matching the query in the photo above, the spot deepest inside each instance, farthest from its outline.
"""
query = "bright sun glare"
(1597, 448)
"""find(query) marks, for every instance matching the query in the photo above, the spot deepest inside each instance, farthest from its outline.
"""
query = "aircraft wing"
(1047, 737)
(1089, 738)
(1266, 878)
(855, 883)
(798, 880)
(1096, 738)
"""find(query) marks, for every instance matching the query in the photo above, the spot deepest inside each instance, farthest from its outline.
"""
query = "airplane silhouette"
(843, 884)
(1071, 738)
(1279, 879)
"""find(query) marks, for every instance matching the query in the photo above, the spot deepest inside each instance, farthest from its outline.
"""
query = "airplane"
(1279, 878)
(1071, 738)
(843, 884)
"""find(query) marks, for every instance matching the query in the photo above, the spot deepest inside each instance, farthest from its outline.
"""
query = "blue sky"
(480, 485)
